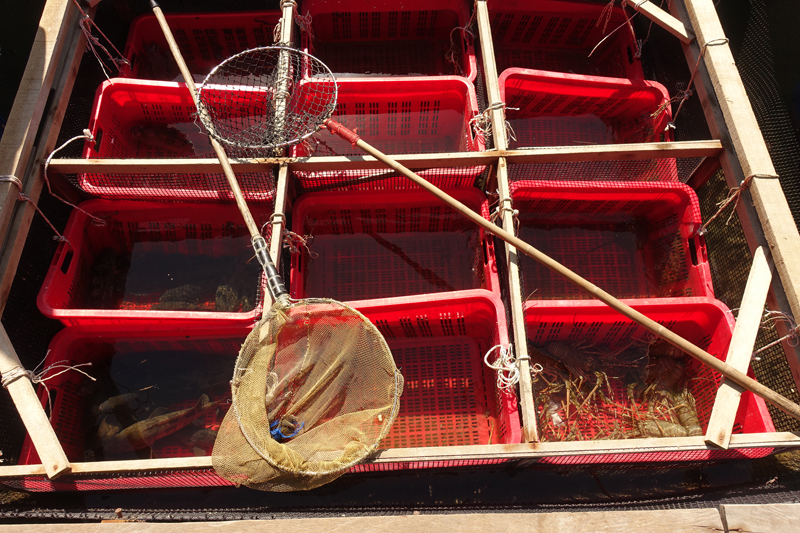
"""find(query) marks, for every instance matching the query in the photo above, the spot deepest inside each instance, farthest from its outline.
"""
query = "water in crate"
(562, 131)
(394, 128)
(383, 265)
(187, 275)
(151, 403)
(181, 139)
(638, 389)
(626, 259)
(391, 58)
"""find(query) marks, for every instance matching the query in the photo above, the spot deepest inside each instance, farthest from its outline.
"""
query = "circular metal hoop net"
(315, 389)
(266, 97)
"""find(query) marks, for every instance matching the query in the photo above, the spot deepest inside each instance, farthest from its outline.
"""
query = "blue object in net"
(277, 434)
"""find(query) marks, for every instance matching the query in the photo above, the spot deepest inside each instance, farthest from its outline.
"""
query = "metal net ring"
(266, 97)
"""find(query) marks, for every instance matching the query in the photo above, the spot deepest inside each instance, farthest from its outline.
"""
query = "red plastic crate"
(379, 245)
(633, 240)
(548, 109)
(559, 36)
(398, 116)
(702, 321)
(205, 40)
(212, 236)
(124, 362)
(450, 397)
(150, 119)
(381, 38)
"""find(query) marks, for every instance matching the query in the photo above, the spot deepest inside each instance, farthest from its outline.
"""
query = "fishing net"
(266, 97)
(314, 391)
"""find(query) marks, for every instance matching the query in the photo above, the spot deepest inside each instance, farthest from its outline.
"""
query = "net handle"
(740, 378)
(276, 286)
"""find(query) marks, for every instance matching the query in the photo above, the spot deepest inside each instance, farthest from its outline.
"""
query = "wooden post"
(720, 424)
(529, 430)
(762, 208)
(19, 386)
(662, 18)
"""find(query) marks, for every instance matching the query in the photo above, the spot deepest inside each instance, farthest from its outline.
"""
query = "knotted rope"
(732, 198)
(24, 198)
(482, 123)
(769, 321)
(93, 43)
(38, 376)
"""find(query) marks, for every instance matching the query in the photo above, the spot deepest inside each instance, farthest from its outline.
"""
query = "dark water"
(184, 275)
(383, 265)
(608, 255)
(134, 386)
(561, 131)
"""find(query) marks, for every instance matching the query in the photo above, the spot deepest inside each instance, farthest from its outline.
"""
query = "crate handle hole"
(485, 251)
(98, 138)
(693, 251)
(66, 262)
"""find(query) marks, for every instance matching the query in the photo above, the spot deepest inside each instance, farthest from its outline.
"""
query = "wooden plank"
(22, 215)
(530, 431)
(464, 521)
(30, 410)
(704, 172)
(766, 219)
(760, 517)
(662, 18)
(558, 154)
(726, 404)
(23, 122)
(523, 451)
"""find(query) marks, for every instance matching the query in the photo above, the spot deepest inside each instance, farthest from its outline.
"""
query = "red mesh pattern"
(205, 39)
(549, 109)
(559, 36)
(146, 119)
(704, 322)
(81, 278)
(664, 169)
(397, 116)
(379, 245)
(71, 418)
(634, 240)
(383, 39)
(450, 396)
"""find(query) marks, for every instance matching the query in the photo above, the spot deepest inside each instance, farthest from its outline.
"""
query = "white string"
(38, 376)
(505, 365)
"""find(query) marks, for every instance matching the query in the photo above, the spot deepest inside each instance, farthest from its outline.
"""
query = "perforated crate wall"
(202, 232)
(74, 396)
(561, 36)
(633, 240)
(381, 38)
(398, 116)
(705, 322)
(205, 40)
(149, 119)
(450, 397)
(377, 245)
(547, 109)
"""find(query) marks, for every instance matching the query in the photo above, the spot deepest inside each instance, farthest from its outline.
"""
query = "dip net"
(314, 391)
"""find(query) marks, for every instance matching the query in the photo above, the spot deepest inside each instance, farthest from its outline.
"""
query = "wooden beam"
(30, 103)
(523, 451)
(704, 172)
(763, 210)
(726, 404)
(662, 18)
(530, 431)
(558, 154)
(20, 387)
(67, 63)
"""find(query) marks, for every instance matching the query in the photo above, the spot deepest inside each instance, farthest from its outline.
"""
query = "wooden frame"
(741, 152)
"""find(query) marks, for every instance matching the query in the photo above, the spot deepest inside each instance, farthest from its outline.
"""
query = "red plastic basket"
(704, 322)
(547, 109)
(124, 362)
(381, 38)
(634, 240)
(450, 397)
(170, 246)
(560, 35)
(368, 245)
(205, 40)
(150, 119)
(397, 116)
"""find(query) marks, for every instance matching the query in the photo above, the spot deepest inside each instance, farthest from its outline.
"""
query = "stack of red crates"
(570, 74)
